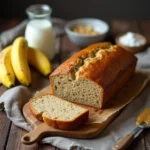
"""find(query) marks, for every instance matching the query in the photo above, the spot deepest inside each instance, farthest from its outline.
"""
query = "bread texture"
(58, 113)
(93, 75)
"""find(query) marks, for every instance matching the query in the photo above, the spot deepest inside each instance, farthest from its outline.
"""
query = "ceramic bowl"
(82, 40)
(132, 49)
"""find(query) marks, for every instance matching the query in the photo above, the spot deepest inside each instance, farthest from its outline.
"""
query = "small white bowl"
(82, 40)
(134, 49)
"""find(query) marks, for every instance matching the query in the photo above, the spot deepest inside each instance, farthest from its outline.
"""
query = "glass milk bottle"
(39, 30)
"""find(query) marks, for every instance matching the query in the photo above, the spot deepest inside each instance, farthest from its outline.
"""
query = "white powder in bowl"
(131, 39)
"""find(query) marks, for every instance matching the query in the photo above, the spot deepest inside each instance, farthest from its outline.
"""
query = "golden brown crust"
(104, 71)
(114, 87)
(67, 125)
(60, 124)
(65, 68)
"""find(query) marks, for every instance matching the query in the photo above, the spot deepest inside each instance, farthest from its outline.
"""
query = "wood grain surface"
(10, 135)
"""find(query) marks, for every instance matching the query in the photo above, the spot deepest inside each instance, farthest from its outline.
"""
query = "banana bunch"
(15, 61)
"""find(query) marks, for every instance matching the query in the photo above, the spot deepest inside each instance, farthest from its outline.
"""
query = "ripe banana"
(39, 61)
(7, 76)
(20, 62)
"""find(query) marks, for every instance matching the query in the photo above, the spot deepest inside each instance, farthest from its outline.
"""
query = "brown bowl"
(131, 49)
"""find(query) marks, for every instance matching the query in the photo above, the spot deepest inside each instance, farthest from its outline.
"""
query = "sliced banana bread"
(58, 113)
(93, 75)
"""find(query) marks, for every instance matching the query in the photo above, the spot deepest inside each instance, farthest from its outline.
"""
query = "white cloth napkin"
(16, 97)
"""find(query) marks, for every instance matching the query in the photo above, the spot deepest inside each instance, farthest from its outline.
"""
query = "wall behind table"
(70, 9)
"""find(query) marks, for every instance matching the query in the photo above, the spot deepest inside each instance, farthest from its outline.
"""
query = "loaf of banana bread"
(94, 75)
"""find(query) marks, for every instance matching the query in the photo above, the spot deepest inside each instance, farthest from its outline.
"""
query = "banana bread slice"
(58, 113)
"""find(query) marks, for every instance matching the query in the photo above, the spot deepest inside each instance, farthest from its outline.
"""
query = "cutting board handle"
(31, 137)
(34, 136)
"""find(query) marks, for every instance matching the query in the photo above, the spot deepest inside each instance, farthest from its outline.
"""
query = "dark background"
(70, 9)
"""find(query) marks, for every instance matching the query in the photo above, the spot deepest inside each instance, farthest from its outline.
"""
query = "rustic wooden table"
(10, 135)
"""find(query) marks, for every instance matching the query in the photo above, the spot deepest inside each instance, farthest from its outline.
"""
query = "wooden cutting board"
(98, 119)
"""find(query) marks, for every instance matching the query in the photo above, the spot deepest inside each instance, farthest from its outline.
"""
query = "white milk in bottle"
(39, 30)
